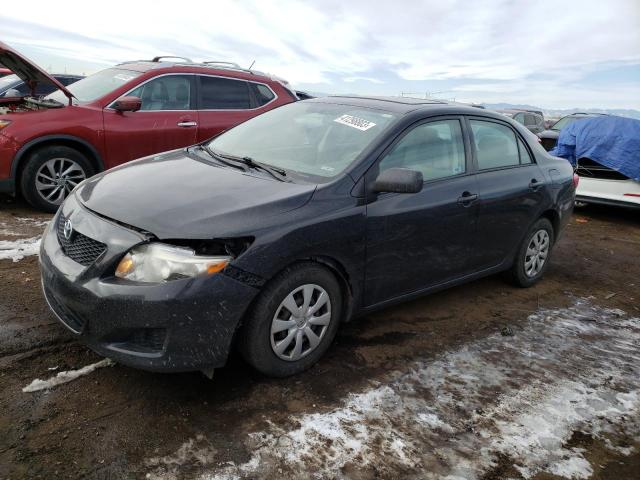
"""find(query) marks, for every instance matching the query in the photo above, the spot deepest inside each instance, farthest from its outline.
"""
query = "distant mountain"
(550, 112)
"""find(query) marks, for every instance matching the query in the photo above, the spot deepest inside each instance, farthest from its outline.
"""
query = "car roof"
(405, 105)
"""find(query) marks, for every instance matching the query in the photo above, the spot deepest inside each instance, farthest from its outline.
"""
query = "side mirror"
(127, 104)
(398, 180)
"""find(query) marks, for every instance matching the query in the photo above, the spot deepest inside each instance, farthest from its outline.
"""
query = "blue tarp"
(611, 141)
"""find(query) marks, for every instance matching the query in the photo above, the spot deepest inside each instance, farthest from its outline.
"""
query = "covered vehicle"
(549, 137)
(606, 154)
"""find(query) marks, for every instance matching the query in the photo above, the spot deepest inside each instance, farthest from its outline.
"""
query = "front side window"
(436, 149)
(316, 140)
(171, 92)
(224, 94)
(495, 145)
(96, 85)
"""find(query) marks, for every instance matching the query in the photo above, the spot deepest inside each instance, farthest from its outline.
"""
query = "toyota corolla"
(270, 235)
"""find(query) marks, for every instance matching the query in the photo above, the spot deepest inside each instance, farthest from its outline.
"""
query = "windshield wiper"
(222, 159)
(277, 173)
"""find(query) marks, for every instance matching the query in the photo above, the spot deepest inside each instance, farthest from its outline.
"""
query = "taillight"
(576, 180)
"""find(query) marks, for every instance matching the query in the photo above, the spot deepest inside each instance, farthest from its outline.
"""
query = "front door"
(415, 241)
(166, 120)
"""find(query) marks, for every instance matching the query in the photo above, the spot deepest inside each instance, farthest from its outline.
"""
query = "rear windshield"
(96, 85)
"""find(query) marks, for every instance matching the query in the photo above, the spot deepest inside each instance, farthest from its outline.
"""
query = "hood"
(176, 196)
(28, 71)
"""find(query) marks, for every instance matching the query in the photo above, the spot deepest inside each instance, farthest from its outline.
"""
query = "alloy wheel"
(56, 178)
(300, 322)
(537, 253)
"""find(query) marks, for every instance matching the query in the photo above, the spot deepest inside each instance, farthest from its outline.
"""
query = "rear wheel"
(534, 254)
(50, 174)
(293, 321)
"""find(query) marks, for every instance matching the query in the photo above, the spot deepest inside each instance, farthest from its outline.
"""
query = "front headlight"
(159, 262)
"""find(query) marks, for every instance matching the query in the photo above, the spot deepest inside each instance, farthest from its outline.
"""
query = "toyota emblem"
(68, 230)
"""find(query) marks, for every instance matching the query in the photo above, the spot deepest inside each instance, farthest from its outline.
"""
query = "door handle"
(467, 198)
(534, 184)
(187, 123)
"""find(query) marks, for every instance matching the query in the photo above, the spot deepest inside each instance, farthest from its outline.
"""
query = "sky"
(552, 54)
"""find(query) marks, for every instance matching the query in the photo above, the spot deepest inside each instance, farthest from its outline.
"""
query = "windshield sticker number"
(355, 122)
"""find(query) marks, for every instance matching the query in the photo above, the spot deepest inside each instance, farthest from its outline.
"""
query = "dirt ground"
(511, 360)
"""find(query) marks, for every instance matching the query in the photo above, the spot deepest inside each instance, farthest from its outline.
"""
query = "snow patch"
(65, 377)
(18, 249)
(519, 398)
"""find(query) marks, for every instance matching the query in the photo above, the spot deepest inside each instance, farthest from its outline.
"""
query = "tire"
(257, 342)
(43, 165)
(522, 274)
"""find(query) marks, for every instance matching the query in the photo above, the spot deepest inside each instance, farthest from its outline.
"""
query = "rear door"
(510, 186)
(418, 240)
(225, 102)
(166, 121)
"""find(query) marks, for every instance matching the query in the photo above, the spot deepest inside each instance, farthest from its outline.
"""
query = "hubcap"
(537, 253)
(56, 178)
(300, 322)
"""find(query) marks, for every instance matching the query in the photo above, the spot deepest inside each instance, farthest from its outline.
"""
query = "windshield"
(312, 139)
(96, 85)
(563, 122)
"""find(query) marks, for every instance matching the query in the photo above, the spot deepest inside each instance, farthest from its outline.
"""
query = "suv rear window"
(218, 93)
(262, 93)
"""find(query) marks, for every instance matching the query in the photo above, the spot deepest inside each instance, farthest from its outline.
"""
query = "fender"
(48, 138)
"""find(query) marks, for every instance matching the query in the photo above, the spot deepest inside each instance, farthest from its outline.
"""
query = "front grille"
(79, 247)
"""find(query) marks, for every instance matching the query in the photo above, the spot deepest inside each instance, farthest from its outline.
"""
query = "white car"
(600, 184)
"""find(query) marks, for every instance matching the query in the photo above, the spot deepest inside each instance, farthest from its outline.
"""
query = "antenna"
(252, 64)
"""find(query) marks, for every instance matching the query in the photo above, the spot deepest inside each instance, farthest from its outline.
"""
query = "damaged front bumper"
(181, 325)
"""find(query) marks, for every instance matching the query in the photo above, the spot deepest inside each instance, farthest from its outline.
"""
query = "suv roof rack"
(216, 62)
(157, 59)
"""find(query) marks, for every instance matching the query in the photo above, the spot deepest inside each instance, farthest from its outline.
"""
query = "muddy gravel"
(483, 381)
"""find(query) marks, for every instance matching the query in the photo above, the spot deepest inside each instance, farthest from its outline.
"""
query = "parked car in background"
(273, 233)
(4, 72)
(549, 137)
(533, 120)
(605, 151)
(13, 86)
(49, 145)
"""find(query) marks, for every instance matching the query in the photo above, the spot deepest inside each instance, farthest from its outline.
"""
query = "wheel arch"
(19, 161)
(554, 218)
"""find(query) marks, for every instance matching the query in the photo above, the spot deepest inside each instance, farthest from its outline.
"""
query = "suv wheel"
(293, 321)
(50, 174)
(534, 254)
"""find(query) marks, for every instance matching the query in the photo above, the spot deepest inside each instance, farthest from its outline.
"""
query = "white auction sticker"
(355, 122)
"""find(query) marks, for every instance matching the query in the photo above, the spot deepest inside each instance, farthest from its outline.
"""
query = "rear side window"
(171, 92)
(262, 93)
(524, 153)
(224, 94)
(495, 145)
(436, 149)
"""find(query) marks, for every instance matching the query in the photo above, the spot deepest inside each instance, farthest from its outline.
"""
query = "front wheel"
(50, 174)
(533, 255)
(293, 321)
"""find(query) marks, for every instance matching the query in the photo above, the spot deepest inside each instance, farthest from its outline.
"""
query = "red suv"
(48, 145)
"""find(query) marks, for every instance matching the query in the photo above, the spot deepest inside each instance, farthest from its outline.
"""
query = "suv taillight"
(576, 180)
